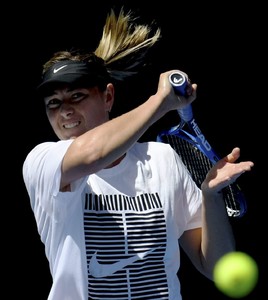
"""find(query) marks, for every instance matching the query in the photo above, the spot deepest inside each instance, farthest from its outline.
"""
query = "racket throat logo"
(199, 134)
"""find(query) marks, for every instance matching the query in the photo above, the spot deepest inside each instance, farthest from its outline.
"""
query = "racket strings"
(198, 164)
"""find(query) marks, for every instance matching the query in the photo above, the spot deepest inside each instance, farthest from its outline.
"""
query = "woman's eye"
(78, 96)
(53, 103)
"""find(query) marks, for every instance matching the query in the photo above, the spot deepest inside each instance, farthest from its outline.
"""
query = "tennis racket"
(195, 150)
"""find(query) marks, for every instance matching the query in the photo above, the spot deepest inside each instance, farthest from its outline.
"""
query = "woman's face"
(72, 112)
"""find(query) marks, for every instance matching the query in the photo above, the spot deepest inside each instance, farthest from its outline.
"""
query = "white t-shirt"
(115, 235)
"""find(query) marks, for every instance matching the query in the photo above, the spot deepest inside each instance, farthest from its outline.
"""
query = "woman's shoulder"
(43, 148)
(154, 147)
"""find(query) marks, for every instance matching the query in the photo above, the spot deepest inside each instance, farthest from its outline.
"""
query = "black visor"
(72, 73)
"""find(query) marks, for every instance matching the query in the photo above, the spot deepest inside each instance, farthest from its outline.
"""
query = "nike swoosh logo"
(58, 69)
(176, 80)
(103, 270)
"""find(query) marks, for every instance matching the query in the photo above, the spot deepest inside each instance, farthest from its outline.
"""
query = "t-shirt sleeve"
(191, 196)
(184, 194)
(42, 173)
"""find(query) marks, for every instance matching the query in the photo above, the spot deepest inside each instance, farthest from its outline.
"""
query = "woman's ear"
(109, 97)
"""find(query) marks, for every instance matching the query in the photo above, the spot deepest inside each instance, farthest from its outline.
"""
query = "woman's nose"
(66, 110)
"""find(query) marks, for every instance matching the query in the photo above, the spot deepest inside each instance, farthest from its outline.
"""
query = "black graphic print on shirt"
(125, 245)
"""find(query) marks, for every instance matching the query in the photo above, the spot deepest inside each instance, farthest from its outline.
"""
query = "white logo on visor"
(58, 69)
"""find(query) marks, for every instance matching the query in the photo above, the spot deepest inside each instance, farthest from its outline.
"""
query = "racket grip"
(179, 82)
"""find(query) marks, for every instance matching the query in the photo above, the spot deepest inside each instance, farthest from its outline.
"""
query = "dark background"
(220, 47)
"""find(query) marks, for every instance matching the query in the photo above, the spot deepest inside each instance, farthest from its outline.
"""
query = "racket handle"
(179, 82)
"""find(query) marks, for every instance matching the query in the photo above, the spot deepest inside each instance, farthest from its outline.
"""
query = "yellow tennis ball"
(236, 274)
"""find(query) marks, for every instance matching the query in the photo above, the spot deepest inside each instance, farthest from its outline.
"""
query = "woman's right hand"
(170, 97)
